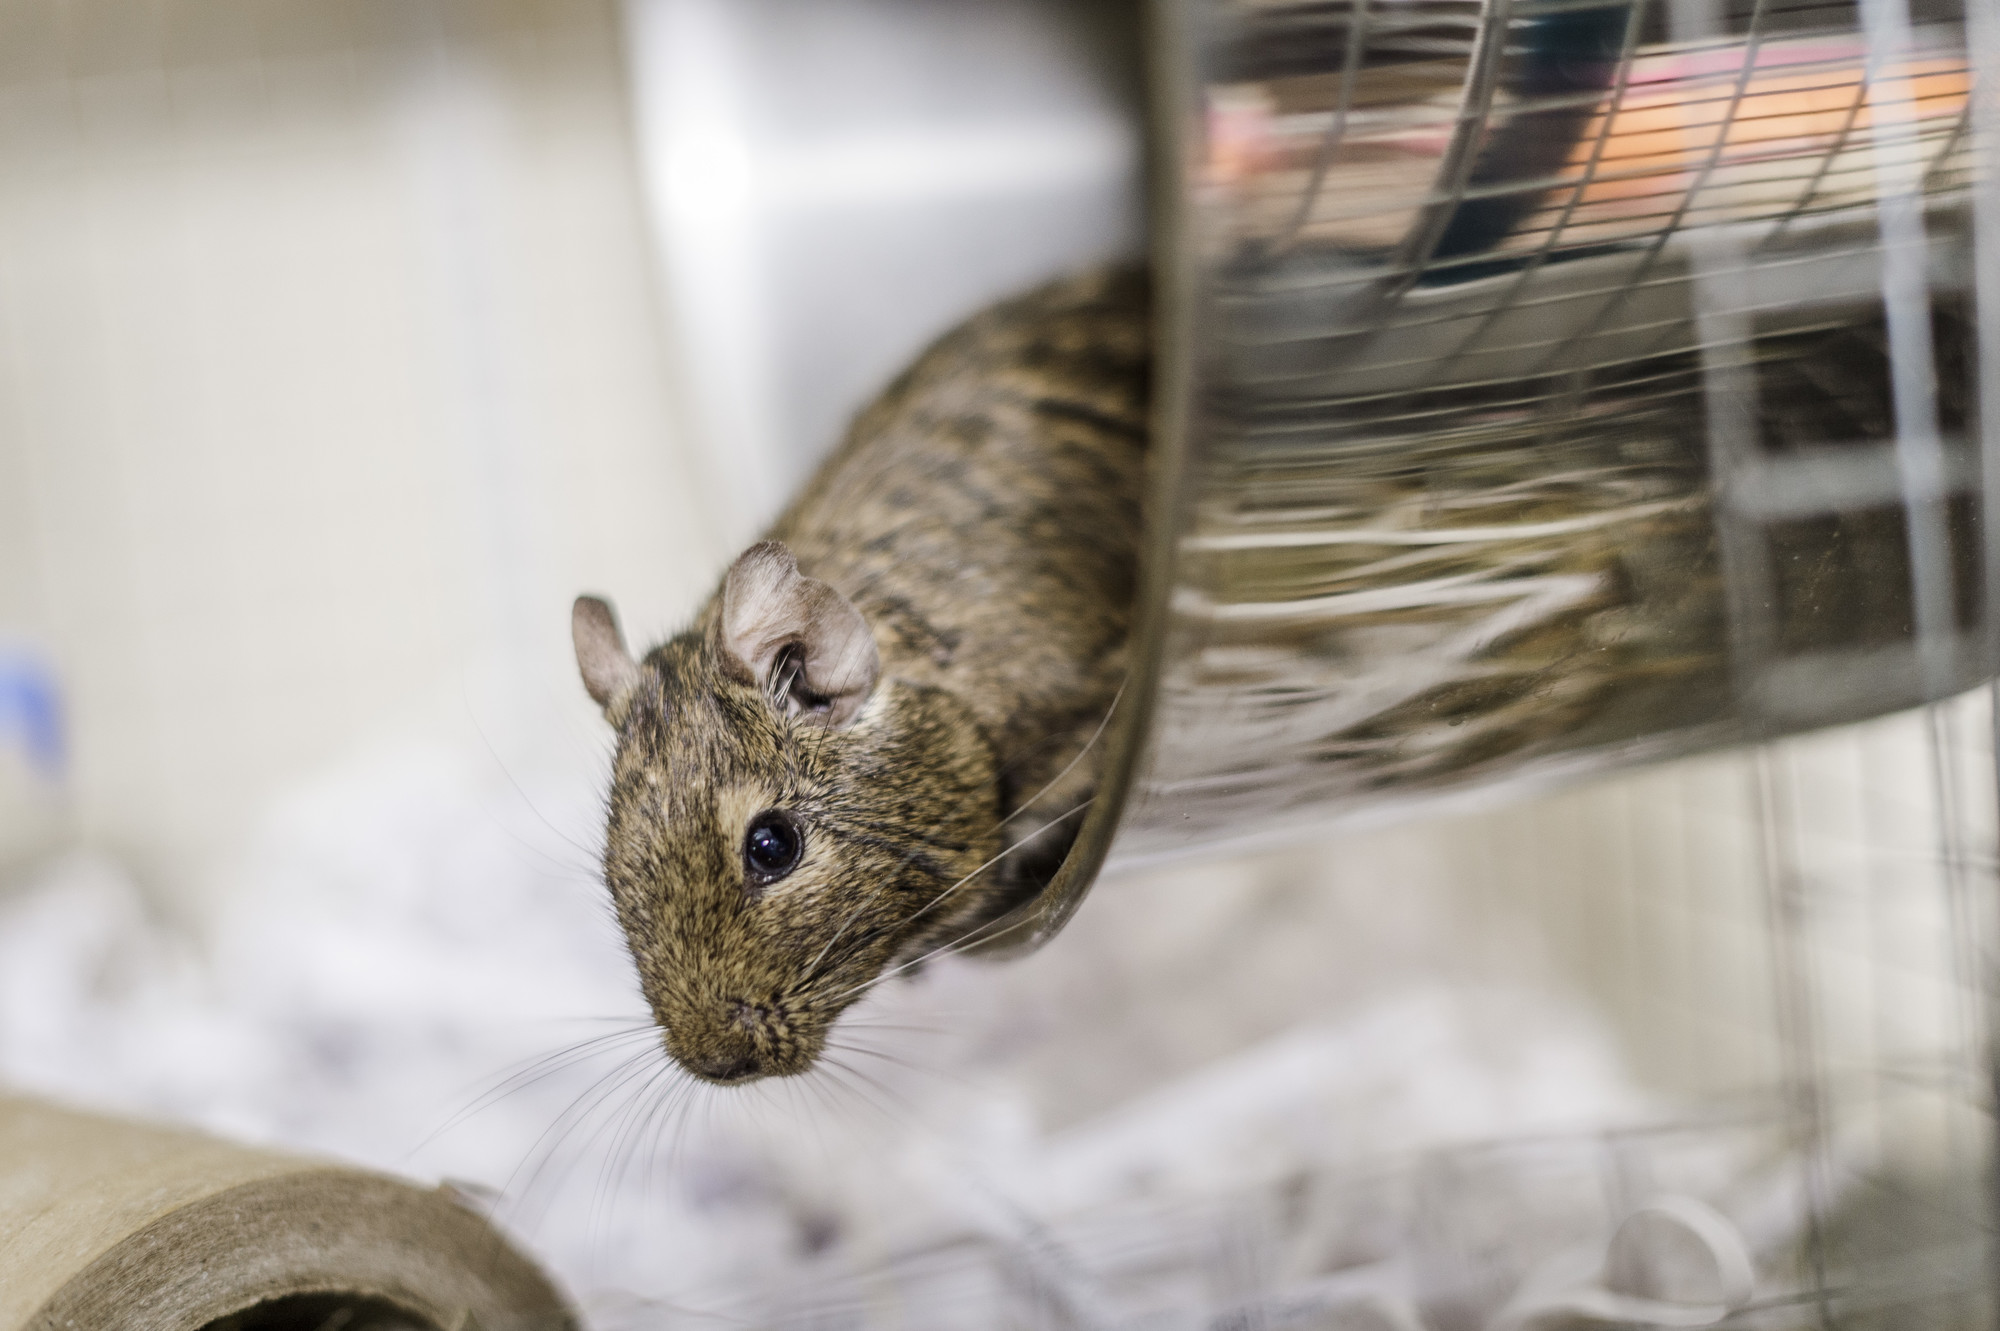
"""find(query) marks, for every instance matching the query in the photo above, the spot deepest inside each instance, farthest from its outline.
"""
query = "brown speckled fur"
(983, 515)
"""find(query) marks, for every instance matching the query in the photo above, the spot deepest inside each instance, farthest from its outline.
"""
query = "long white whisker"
(1055, 780)
(945, 947)
(529, 1071)
(1003, 854)
(851, 918)
(1047, 786)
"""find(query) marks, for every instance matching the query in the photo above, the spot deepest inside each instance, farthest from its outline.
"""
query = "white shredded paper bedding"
(1121, 1127)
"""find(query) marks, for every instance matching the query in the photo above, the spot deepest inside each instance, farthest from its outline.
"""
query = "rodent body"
(878, 735)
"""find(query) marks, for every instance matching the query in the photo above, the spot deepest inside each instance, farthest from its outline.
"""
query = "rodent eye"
(773, 845)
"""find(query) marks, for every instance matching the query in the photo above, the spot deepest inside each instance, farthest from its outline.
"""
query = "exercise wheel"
(1548, 385)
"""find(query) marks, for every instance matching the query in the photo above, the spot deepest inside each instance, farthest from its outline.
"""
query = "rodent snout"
(720, 1056)
(738, 1041)
(725, 1067)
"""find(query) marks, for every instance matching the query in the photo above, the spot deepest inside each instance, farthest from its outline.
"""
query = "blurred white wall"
(330, 371)
(833, 183)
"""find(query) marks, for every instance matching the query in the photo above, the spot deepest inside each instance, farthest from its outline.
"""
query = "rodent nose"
(725, 1067)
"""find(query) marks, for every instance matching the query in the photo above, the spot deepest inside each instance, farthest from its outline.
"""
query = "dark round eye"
(773, 845)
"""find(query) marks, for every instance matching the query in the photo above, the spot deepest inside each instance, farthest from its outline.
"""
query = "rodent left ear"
(797, 639)
(609, 672)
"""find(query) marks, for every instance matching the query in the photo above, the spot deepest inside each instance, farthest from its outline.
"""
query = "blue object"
(31, 711)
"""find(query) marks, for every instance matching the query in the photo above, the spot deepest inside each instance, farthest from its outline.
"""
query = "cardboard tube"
(115, 1226)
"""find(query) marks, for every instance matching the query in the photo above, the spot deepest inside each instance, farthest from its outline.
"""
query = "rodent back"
(984, 512)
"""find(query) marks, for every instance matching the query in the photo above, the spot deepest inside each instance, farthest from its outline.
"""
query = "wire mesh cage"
(1562, 384)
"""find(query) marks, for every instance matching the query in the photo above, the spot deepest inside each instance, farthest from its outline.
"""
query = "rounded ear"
(609, 672)
(795, 638)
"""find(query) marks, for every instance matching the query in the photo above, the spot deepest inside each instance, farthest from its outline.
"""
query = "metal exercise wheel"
(1546, 385)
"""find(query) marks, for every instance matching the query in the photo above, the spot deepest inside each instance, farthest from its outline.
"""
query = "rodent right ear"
(796, 638)
(609, 672)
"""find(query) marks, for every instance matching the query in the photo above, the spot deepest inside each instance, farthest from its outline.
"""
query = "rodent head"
(785, 823)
